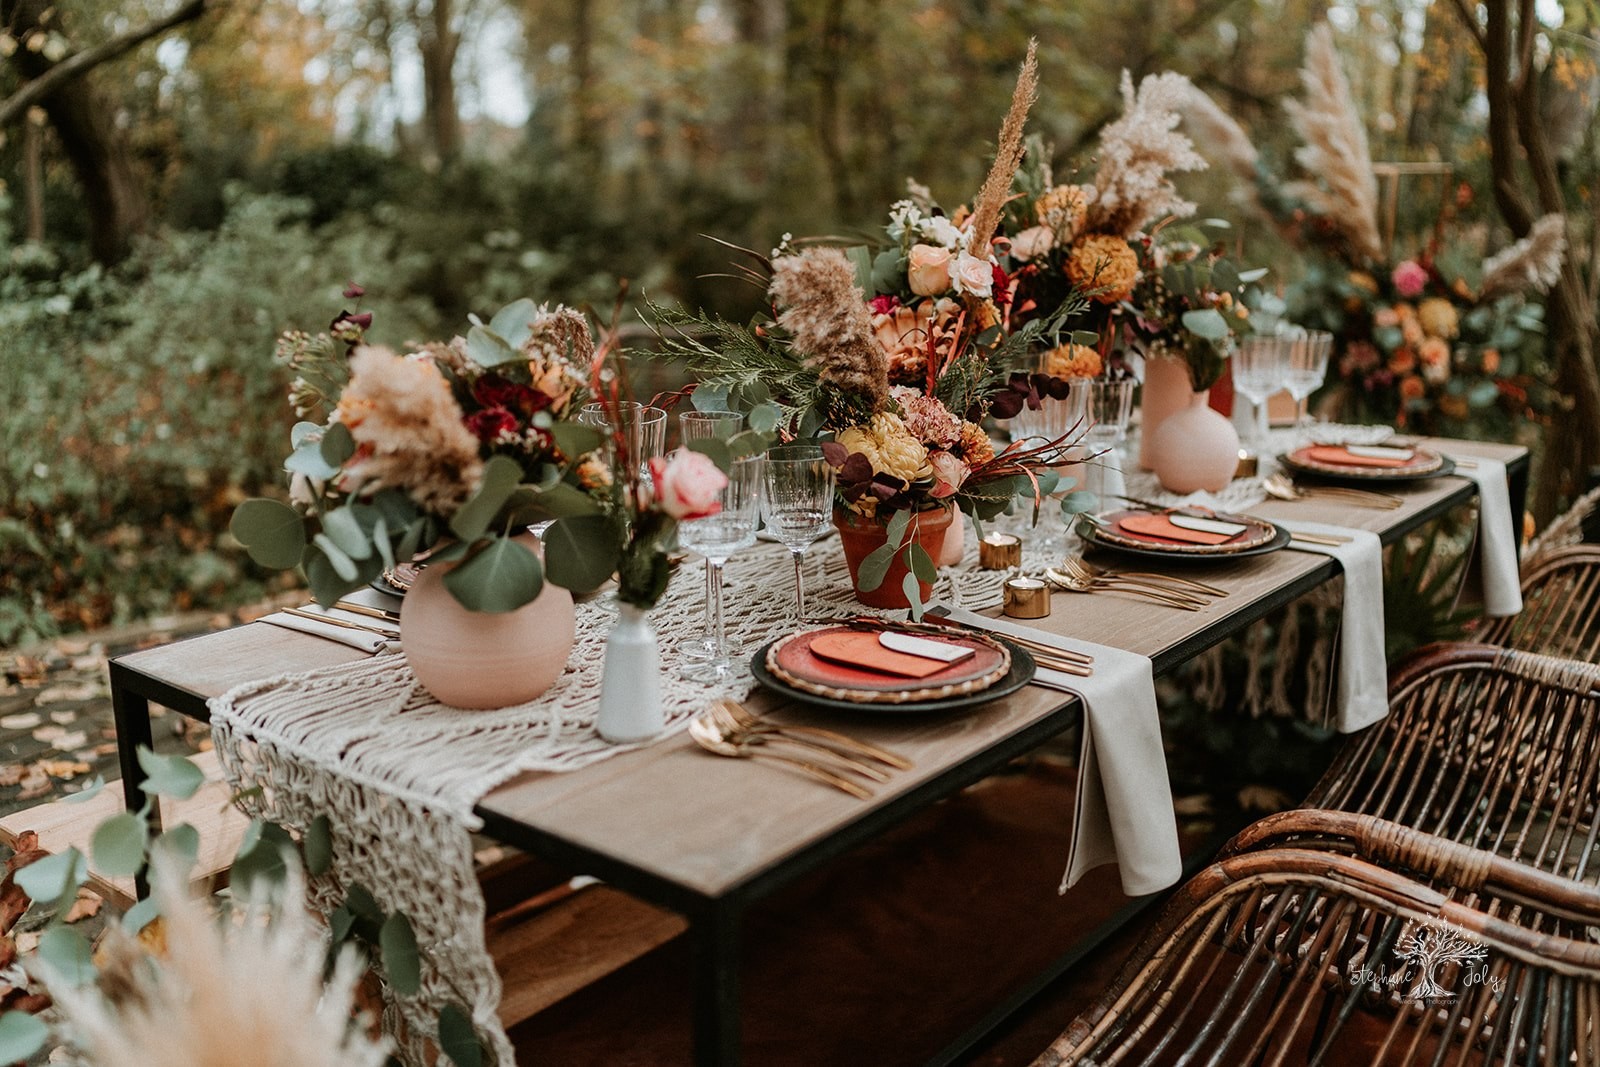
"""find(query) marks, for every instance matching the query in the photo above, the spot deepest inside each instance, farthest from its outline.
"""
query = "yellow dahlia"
(1103, 263)
(976, 448)
(1438, 318)
(889, 447)
(1072, 361)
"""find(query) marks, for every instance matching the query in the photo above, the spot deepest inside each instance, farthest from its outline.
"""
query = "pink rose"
(929, 272)
(974, 276)
(687, 485)
(1410, 279)
(1032, 242)
(948, 473)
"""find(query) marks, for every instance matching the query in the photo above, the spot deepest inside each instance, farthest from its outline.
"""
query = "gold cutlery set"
(728, 729)
(1073, 575)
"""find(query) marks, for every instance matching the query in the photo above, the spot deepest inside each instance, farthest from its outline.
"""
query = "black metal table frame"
(715, 922)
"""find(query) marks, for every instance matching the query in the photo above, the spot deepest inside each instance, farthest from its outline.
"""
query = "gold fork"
(1183, 584)
(705, 733)
(748, 720)
(738, 733)
(1077, 583)
(1080, 571)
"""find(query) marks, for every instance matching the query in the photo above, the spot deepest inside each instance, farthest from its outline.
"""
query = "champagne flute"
(700, 426)
(799, 505)
(1307, 367)
(717, 537)
(1260, 368)
(1108, 405)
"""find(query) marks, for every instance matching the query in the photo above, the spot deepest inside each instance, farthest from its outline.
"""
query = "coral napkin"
(1363, 672)
(1124, 801)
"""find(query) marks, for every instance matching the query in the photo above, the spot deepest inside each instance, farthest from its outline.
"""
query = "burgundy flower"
(345, 322)
(354, 292)
(884, 305)
(495, 391)
(490, 423)
(1002, 284)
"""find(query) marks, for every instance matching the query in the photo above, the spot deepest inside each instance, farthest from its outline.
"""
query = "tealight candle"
(999, 552)
(1026, 598)
(1248, 464)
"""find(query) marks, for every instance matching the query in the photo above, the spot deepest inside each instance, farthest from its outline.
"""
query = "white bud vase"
(630, 690)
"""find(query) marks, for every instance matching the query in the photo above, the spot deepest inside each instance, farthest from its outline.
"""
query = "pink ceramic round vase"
(955, 542)
(476, 659)
(1193, 449)
(1166, 391)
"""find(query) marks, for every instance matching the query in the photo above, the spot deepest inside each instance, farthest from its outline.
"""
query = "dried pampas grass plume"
(1335, 149)
(826, 314)
(246, 992)
(1531, 265)
(1137, 153)
(1224, 139)
(1007, 157)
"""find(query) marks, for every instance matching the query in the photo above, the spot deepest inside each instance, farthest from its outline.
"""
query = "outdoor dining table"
(656, 823)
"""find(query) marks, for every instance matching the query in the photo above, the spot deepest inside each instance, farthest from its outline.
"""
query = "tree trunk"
(33, 175)
(439, 43)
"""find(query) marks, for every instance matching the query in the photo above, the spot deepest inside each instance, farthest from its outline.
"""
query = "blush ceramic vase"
(955, 542)
(630, 688)
(859, 536)
(1196, 448)
(1166, 391)
(478, 659)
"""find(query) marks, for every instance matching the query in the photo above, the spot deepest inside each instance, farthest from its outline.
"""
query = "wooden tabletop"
(708, 826)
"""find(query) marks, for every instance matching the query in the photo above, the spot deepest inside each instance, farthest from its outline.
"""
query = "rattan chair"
(1492, 748)
(1290, 955)
(1560, 607)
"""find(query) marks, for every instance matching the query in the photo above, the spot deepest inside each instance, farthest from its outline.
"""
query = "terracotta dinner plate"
(1155, 532)
(1335, 462)
(844, 663)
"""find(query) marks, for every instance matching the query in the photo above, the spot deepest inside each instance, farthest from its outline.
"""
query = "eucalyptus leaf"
(21, 1035)
(458, 1039)
(575, 440)
(488, 349)
(66, 953)
(318, 846)
(709, 398)
(714, 448)
(272, 532)
(367, 917)
(307, 459)
(181, 844)
(748, 443)
(53, 877)
(897, 527)
(303, 432)
(888, 270)
(88, 792)
(499, 578)
(337, 445)
(169, 776)
(921, 564)
(1207, 323)
(1076, 503)
(581, 552)
(401, 964)
(514, 322)
(344, 530)
(875, 567)
(764, 418)
(140, 915)
(264, 864)
(1085, 337)
(117, 845)
(501, 475)
(563, 500)
(861, 259)
(913, 593)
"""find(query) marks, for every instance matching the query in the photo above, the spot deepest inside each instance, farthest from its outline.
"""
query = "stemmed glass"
(799, 504)
(1307, 367)
(1108, 405)
(717, 537)
(700, 426)
(646, 428)
(1260, 368)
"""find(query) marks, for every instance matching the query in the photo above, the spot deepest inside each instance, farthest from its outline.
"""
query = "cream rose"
(929, 272)
(1032, 242)
(948, 472)
(974, 276)
(687, 485)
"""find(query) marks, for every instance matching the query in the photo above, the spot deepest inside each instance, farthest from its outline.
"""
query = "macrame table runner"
(398, 775)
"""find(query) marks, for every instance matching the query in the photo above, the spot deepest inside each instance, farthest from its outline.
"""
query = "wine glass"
(1307, 367)
(1260, 368)
(717, 537)
(1108, 405)
(799, 504)
(645, 427)
(700, 426)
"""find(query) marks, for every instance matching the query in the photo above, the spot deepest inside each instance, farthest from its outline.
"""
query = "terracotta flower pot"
(860, 536)
(1166, 391)
(474, 659)
(1197, 448)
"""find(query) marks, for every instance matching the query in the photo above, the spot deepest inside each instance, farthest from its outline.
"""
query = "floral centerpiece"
(1420, 345)
(449, 451)
(897, 383)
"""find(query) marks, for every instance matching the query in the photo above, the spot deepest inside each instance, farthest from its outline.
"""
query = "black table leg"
(715, 941)
(132, 713)
(1517, 490)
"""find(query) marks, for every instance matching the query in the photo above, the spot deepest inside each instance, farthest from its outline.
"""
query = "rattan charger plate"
(1426, 464)
(1259, 533)
(994, 666)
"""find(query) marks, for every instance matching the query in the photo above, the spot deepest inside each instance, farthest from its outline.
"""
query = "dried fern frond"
(1531, 265)
(1334, 149)
(1137, 153)
(1007, 157)
(825, 314)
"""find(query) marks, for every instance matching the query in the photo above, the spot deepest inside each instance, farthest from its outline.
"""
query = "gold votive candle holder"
(1249, 464)
(999, 552)
(1026, 598)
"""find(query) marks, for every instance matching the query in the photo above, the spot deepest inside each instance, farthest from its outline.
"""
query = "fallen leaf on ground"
(63, 768)
(63, 718)
(48, 734)
(26, 720)
(86, 906)
(60, 694)
(1199, 804)
(10, 774)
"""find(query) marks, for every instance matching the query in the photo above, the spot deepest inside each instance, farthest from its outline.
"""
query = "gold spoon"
(708, 736)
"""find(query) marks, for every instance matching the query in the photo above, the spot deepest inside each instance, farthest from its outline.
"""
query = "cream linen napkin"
(365, 640)
(1363, 670)
(1497, 536)
(1124, 800)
